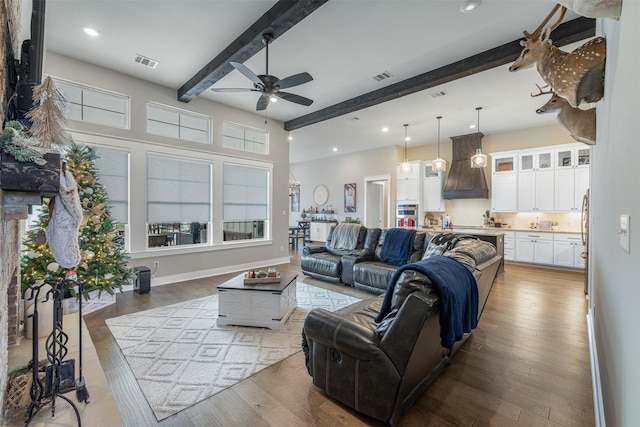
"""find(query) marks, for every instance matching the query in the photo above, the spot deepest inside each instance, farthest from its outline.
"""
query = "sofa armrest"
(419, 314)
(349, 261)
(313, 249)
(336, 332)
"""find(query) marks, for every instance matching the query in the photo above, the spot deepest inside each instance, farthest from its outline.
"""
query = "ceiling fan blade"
(295, 80)
(234, 89)
(294, 98)
(248, 74)
(263, 101)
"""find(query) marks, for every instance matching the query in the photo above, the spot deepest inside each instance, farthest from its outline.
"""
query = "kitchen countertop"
(497, 230)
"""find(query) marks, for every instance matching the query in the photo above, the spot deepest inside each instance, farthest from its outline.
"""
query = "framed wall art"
(350, 197)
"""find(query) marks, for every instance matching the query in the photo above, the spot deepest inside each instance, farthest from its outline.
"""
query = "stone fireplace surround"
(9, 228)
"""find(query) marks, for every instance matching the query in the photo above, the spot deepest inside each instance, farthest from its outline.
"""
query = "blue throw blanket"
(458, 293)
(397, 246)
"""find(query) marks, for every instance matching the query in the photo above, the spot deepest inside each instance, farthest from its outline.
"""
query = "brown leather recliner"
(380, 369)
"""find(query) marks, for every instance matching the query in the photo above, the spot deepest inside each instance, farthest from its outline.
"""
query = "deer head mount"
(576, 76)
(581, 124)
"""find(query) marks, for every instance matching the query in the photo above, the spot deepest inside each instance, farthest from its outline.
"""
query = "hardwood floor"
(527, 364)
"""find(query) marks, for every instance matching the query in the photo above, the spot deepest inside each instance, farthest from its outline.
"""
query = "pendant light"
(439, 164)
(406, 166)
(479, 160)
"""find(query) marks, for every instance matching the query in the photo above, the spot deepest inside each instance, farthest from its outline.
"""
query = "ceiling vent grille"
(147, 62)
(382, 76)
(438, 94)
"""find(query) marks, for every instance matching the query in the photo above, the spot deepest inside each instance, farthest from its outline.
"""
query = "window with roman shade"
(113, 168)
(245, 202)
(178, 201)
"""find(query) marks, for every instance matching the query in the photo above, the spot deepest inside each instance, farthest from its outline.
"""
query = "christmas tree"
(48, 115)
(104, 262)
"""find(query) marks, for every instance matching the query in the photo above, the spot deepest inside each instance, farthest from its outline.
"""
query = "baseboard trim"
(598, 407)
(165, 280)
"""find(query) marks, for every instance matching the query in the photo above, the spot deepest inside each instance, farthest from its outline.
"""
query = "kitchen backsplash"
(469, 212)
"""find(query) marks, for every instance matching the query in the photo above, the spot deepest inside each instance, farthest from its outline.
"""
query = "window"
(246, 202)
(113, 167)
(245, 138)
(93, 105)
(178, 201)
(178, 124)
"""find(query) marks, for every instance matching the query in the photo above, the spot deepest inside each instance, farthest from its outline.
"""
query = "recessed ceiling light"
(472, 126)
(469, 5)
(385, 129)
(90, 31)
(290, 138)
(335, 149)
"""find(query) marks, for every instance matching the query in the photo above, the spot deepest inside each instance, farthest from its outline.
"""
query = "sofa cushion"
(462, 258)
(323, 263)
(479, 250)
(374, 273)
(347, 236)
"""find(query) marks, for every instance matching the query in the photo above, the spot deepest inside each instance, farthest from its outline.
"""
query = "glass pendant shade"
(479, 160)
(406, 166)
(439, 164)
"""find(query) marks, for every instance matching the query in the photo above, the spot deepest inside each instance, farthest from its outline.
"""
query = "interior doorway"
(377, 201)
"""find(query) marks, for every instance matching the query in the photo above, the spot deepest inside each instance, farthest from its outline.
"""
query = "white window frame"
(243, 143)
(172, 122)
(105, 106)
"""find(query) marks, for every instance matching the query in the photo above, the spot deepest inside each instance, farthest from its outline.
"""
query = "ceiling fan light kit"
(270, 86)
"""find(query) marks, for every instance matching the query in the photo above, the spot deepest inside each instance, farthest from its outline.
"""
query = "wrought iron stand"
(56, 348)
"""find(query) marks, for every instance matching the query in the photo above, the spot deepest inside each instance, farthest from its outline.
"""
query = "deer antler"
(536, 33)
(541, 91)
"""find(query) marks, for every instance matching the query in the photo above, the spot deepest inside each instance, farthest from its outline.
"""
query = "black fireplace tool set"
(60, 373)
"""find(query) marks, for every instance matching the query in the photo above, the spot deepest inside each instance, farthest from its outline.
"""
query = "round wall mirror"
(320, 194)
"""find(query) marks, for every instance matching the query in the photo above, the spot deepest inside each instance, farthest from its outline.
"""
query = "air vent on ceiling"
(147, 62)
(382, 76)
(438, 94)
(353, 118)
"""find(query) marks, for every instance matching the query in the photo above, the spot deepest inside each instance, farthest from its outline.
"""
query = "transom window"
(245, 138)
(179, 124)
(94, 105)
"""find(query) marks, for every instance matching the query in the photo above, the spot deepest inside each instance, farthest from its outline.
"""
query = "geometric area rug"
(179, 356)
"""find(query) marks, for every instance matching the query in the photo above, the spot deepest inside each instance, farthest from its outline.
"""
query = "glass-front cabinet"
(536, 160)
(573, 157)
(504, 181)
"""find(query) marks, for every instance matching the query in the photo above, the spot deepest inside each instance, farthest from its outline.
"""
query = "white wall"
(183, 263)
(614, 191)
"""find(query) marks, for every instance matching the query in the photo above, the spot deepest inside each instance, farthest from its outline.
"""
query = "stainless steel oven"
(406, 215)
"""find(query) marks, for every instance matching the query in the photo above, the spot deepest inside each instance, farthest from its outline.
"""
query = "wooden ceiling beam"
(277, 21)
(567, 33)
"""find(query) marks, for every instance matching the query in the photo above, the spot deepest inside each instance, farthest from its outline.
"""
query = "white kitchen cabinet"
(536, 180)
(319, 231)
(509, 246)
(408, 184)
(534, 247)
(432, 200)
(504, 181)
(571, 177)
(567, 250)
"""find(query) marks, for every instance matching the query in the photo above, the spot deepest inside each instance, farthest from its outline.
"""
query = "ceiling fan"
(270, 86)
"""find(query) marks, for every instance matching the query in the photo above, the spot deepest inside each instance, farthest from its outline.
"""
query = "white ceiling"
(342, 45)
